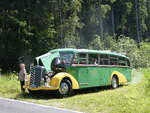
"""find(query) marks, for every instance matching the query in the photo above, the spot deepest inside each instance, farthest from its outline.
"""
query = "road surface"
(14, 106)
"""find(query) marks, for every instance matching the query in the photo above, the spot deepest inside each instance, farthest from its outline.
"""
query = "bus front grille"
(36, 74)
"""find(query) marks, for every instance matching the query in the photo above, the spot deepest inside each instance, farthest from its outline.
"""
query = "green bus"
(64, 70)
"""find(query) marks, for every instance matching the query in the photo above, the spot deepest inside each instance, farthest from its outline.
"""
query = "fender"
(56, 80)
(122, 79)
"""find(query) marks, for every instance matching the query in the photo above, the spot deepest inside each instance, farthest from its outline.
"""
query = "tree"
(33, 27)
(25, 30)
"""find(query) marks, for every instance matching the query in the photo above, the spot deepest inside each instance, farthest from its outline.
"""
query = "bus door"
(105, 69)
(94, 76)
(93, 72)
(99, 72)
(83, 77)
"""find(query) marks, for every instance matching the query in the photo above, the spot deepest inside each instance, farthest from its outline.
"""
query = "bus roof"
(88, 51)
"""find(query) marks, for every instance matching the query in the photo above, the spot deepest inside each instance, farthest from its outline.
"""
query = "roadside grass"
(147, 82)
(134, 98)
(9, 85)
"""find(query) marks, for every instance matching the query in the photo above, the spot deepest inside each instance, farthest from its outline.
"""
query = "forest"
(30, 28)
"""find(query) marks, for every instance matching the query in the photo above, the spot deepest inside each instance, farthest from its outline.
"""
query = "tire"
(114, 82)
(65, 88)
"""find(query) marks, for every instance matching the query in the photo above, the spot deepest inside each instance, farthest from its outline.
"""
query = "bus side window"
(82, 58)
(122, 61)
(104, 59)
(75, 60)
(93, 59)
(113, 60)
(128, 63)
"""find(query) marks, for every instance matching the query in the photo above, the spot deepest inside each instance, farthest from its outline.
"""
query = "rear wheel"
(65, 88)
(114, 82)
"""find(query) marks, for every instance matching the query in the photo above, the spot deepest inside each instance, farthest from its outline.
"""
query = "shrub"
(139, 56)
(97, 43)
(128, 47)
(146, 73)
(144, 55)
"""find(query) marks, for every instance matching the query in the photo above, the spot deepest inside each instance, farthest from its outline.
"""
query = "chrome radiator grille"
(36, 74)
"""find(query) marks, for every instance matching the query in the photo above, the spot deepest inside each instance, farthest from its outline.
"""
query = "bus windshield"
(66, 57)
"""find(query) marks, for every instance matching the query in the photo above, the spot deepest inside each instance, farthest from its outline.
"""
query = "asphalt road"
(14, 106)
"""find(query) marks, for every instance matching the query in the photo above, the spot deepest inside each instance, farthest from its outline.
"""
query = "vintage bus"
(64, 70)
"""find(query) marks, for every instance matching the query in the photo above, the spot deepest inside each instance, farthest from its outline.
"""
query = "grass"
(134, 98)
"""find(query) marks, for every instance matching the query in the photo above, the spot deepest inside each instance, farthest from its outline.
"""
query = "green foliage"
(104, 9)
(110, 43)
(97, 43)
(143, 14)
(9, 85)
(24, 29)
(128, 47)
(138, 56)
(33, 27)
(146, 73)
(144, 55)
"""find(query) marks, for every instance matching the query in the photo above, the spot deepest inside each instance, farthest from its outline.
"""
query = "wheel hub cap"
(64, 88)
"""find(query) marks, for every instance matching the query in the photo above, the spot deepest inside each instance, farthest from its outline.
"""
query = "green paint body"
(88, 75)
(92, 76)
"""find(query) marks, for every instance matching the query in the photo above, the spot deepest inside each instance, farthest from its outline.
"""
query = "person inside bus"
(95, 62)
(22, 76)
(74, 60)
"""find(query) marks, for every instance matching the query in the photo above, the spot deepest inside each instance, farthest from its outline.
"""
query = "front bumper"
(43, 88)
(53, 85)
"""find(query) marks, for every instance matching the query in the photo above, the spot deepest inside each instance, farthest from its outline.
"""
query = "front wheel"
(114, 82)
(65, 88)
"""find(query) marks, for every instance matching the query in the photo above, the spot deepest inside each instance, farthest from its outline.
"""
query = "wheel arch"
(67, 78)
(114, 75)
(121, 78)
(57, 79)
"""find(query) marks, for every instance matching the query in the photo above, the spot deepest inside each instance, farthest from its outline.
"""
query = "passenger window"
(75, 60)
(93, 59)
(122, 61)
(113, 60)
(82, 58)
(104, 60)
(128, 62)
